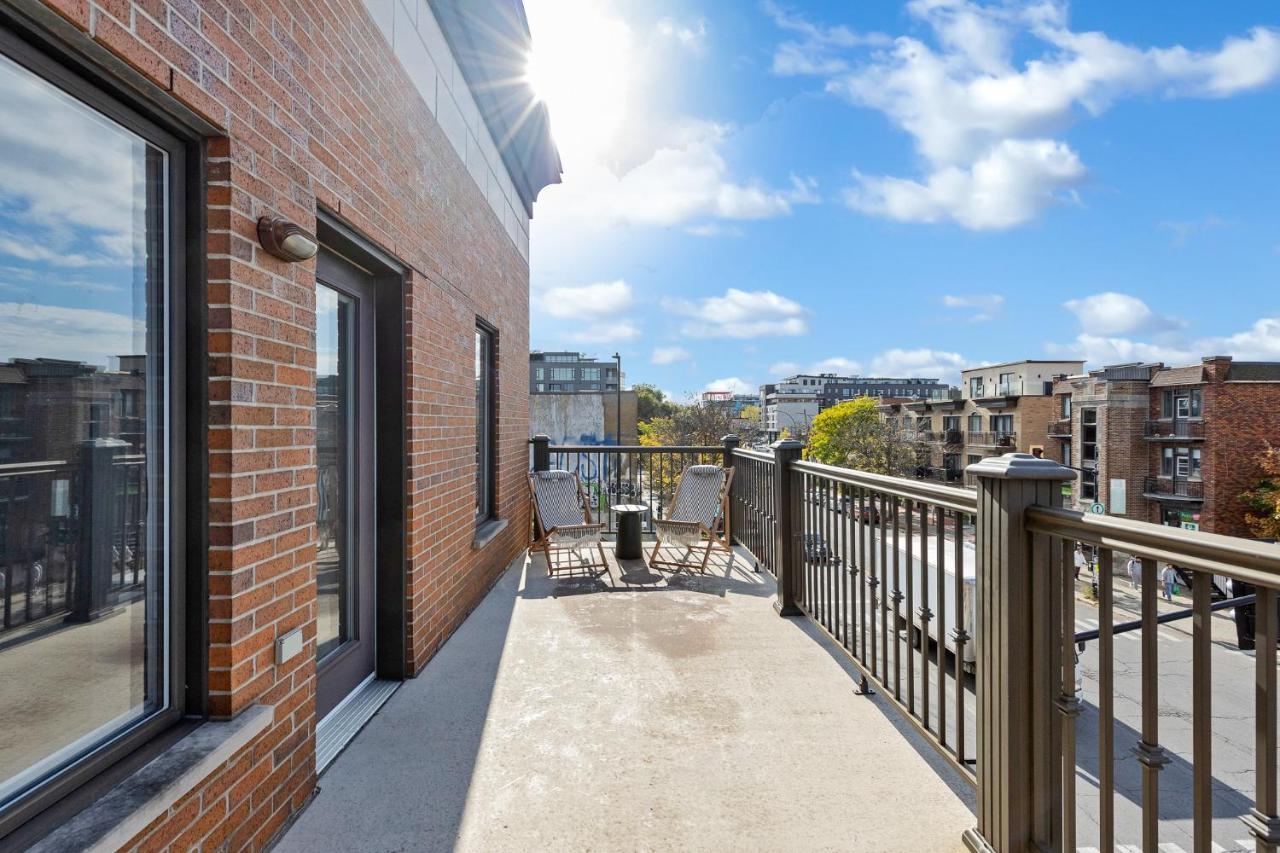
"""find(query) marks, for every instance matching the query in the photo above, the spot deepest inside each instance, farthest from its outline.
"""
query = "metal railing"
(752, 504)
(1054, 534)
(1174, 487)
(58, 553)
(946, 436)
(1060, 428)
(994, 439)
(613, 474)
(882, 565)
(1175, 429)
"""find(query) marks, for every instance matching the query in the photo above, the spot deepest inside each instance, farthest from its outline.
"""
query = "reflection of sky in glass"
(326, 332)
(72, 227)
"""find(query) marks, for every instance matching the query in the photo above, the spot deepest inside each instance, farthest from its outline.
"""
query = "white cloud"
(836, 364)
(983, 305)
(1184, 230)
(1009, 186)
(741, 314)
(814, 49)
(1109, 322)
(669, 355)
(732, 384)
(713, 229)
(783, 368)
(925, 363)
(1113, 313)
(983, 123)
(691, 36)
(80, 334)
(605, 333)
(603, 299)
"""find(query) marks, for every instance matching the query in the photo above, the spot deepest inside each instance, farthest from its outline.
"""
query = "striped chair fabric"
(697, 505)
(559, 510)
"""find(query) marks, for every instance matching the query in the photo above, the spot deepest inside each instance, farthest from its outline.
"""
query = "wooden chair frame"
(723, 540)
(542, 534)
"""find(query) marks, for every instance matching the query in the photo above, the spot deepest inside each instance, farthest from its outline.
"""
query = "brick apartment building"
(1001, 408)
(1170, 445)
(205, 585)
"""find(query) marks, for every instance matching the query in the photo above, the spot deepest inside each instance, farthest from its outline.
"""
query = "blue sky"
(753, 188)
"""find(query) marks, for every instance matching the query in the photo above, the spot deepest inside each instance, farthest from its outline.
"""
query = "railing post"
(541, 452)
(730, 443)
(788, 514)
(1018, 654)
(97, 511)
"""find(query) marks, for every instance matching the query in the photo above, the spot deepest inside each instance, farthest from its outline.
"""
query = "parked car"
(815, 549)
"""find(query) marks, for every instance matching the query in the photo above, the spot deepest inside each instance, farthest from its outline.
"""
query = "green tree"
(1264, 499)
(854, 435)
(652, 403)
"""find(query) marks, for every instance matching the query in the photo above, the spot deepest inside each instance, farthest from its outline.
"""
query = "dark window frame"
(44, 804)
(487, 444)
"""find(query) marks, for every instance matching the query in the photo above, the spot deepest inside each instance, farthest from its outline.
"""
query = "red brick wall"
(314, 109)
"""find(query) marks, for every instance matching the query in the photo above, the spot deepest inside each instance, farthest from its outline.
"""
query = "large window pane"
(484, 423)
(83, 403)
(334, 416)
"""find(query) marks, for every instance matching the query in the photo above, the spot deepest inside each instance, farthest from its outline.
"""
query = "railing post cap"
(731, 438)
(1020, 466)
(787, 444)
(541, 437)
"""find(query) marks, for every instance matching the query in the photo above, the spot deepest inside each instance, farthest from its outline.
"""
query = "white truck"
(924, 558)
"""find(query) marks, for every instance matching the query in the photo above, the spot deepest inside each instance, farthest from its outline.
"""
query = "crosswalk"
(1162, 636)
(1240, 845)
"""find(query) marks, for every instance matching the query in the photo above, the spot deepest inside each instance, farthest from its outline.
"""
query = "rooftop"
(500, 745)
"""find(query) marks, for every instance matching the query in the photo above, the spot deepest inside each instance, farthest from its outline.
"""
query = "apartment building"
(1171, 445)
(1000, 408)
(570, 373)
(279, 247)
(794, 402)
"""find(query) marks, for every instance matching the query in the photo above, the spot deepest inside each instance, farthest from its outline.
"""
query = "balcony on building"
(1059, 428)
(1171, 429)
(1173, 489)
(993, 439)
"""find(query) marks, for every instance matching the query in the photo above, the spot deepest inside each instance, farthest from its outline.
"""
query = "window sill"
(486, 531)
(132, 805)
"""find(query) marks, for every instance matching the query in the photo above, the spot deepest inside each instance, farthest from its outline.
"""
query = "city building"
(736, 403)
(1000, 408)
(794, 402)
(1171, 445)
(307, 233)
(570, 373)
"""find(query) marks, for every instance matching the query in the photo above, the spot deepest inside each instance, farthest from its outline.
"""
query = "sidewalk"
(1128, 606)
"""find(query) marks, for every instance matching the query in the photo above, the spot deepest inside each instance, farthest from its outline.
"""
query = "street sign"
(1097, 509)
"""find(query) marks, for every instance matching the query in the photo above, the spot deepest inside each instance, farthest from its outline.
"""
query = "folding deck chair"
(562, 520)
(701, 506)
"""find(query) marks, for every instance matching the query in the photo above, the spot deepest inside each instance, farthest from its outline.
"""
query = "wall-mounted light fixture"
(286, 240)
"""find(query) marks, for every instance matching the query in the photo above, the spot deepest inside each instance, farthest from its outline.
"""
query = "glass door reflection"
(334, 431)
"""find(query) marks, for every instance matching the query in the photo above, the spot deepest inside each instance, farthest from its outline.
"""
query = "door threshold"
(340, 726)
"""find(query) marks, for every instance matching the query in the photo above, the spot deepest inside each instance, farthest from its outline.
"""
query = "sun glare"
(580, 68)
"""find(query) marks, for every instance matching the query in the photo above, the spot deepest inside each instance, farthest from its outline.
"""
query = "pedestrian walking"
(1135, 572)
(1082, 562)
(1170, 579)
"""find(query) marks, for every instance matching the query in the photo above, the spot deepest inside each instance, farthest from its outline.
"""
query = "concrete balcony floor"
(635, 711)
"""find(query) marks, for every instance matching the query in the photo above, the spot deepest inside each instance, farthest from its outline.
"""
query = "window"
(1002, 424)
(89, 537)
(485, 430)
(537, 373)
(562, 374)
(1181, 403)
(1180, 462)
(591, 373)
(1195, 464)
(1064, 409)
(975, 423)
(1066, 455)
(951, 422)
(975, 386)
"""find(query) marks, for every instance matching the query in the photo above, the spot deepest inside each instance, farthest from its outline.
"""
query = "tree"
(652, 403)
(853, 435)
(1264, 499)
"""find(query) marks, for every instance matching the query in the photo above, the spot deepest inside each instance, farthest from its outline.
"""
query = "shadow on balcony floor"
(662, 713)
